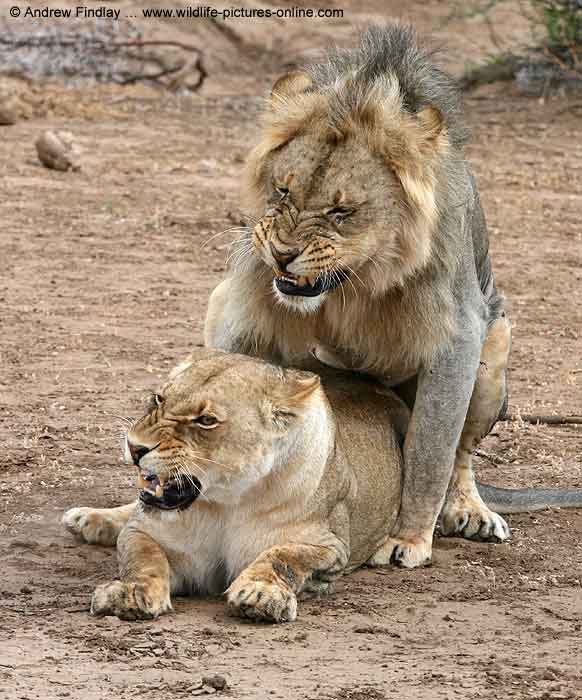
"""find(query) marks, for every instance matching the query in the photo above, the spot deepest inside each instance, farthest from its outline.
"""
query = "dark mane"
(394, 49)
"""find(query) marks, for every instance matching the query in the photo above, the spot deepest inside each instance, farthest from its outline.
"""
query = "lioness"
(256, 478)
(251, 476)
(370, 252)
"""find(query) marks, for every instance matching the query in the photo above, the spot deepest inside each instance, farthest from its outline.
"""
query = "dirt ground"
(103, 288)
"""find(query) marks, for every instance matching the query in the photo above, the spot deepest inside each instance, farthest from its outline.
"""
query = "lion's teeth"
(302, 281)
(311, 280)
(159, 491)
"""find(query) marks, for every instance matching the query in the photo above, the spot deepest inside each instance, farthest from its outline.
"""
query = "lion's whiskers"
(231, 229)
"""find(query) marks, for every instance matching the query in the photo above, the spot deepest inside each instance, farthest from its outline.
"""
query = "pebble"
(215, 681)
(56, 150)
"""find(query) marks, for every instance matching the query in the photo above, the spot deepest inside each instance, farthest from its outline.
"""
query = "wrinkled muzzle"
(299, 269)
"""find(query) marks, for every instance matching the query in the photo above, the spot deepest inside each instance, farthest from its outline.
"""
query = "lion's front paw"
(92, 525)
(470, 518)
(261, 600)
(129, 601)
(408, 552)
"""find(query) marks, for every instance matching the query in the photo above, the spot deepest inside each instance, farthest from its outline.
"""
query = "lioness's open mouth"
(172, 495)
(305, 287)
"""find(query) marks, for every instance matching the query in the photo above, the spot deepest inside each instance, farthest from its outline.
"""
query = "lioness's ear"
(292, 393)
(292, 83)
(300, 385)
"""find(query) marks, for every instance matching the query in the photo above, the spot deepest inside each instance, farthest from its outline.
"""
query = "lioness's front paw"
(129, 601)
(470, 518)
(408, 552)
(92, 525)
(261, 600)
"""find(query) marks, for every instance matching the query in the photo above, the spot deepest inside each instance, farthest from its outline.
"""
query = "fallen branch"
(121, 59)
(548, 420)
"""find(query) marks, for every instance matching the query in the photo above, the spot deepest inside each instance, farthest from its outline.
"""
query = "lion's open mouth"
(172, 495)
(305, 287)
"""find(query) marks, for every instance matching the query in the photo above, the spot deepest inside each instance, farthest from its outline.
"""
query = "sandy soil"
(103, 288)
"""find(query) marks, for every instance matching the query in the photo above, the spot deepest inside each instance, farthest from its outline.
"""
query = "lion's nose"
(137, 451)
(284, 258)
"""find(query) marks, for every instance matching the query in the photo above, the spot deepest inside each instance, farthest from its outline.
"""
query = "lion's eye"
(155, 401)
(206, 421)
(339, 214)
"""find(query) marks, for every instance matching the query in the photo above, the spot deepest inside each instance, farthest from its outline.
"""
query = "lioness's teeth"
(311, 280)
(302, 281)
(292, 280)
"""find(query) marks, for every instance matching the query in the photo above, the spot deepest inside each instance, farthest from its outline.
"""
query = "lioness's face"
(215, 428)
(332, 213)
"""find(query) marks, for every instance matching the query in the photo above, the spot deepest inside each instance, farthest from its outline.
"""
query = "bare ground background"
(103, 287)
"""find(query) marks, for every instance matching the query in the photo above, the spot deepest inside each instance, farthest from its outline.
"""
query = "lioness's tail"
(524, 500)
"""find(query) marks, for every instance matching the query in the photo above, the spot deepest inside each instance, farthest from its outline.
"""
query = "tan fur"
(286, 505)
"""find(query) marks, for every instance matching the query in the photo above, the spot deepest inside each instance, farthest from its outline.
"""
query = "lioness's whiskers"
(220, 464)
(183, 470)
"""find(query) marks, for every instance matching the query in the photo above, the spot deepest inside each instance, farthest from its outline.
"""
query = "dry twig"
(548, 420)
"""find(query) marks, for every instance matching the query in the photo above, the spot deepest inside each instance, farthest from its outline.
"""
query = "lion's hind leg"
(465, 513)
(98, 525)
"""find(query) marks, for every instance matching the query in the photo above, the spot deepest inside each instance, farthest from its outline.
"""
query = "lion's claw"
(474, 521)
(407, 552)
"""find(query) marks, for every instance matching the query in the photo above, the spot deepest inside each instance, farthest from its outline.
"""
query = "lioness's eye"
(206, 421)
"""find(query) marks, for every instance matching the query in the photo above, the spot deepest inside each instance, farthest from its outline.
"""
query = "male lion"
(370, 252)
(256, 478)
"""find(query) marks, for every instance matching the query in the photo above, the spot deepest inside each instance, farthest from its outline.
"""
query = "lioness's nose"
(137, 451)
(283, 258)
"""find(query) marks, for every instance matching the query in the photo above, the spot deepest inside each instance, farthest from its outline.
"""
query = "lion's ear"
(432, 123)
(293, 83)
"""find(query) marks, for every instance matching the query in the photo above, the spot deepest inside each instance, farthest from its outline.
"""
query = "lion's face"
(332, 217)
(216, 428)
(344, 184)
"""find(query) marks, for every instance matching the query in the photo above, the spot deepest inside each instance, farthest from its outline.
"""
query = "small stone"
(215, 681)
(56, 150)
(8, 112)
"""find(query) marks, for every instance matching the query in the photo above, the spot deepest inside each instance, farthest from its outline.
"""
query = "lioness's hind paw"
(91, 525)
(474, 522)
(407, 552)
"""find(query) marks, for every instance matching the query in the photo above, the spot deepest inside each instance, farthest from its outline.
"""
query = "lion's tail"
(524, 500)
